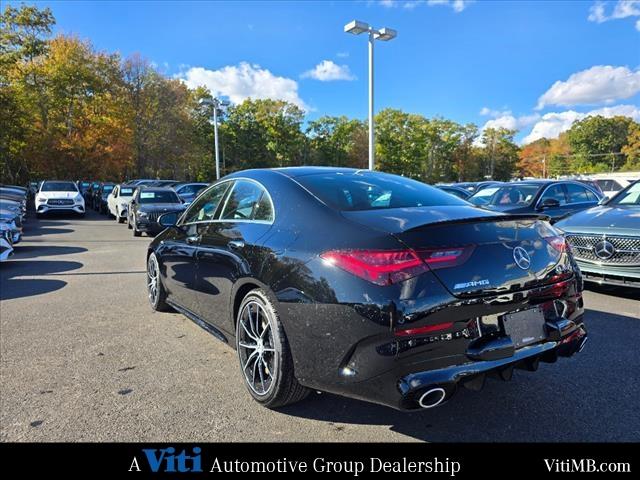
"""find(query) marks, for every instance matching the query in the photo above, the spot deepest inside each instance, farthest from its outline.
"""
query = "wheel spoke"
(244, 327)
(248, 360)
(261, 375)
(267, 327)
(252, 346)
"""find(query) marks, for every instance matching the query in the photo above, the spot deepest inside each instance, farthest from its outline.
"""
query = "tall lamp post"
(216, 104)
(385, 34)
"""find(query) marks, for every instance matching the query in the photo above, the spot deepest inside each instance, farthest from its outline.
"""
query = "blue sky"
(483, 61)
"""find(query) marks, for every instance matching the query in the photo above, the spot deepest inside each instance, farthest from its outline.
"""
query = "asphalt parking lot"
(83, 358)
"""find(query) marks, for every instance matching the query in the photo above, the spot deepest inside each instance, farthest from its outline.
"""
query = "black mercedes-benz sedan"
(606, 239)
(147, 204)
(556, 198)
(366, 284)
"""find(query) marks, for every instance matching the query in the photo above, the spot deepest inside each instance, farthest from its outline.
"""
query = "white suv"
(59, 196)
(118, 201)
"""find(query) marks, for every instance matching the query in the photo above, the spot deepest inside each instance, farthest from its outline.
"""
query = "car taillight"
(382, 267)
(386, 267)
(445, 257)
(559, 243)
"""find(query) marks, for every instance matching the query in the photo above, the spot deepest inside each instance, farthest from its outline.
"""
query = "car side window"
(579, 194)
(205, 207)
(248, 201)
(556, 192)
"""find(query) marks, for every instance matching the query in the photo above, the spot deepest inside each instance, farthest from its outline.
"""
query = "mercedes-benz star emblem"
(604, 249)
(522, 258)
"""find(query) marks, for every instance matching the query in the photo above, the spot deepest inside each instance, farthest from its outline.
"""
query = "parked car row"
(140, 202)
(13, 210)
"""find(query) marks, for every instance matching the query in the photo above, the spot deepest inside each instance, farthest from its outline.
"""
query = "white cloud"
(327, 71)
(243, 81)
(508, 121)
(554, 123)
(596, 85)
(622, 9)
(489, 112)
(457, 5)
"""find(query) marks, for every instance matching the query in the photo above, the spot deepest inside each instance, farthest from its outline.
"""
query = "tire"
(129, 222)
(158, 296)
(269, 378)
(136, 232)
(120, 219)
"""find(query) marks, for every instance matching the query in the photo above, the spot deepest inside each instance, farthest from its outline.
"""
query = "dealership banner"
(351, 460)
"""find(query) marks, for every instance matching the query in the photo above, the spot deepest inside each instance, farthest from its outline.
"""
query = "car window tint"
(556, 192)
(204, 208)
(264, 209)
(578, 194)
(366, 191)
(246, 201)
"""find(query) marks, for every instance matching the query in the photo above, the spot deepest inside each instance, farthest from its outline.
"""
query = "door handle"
(193, 239)
(236, 244)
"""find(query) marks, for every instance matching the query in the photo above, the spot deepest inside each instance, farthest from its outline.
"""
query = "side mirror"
(549, 203)
(603, 200)
(168, 219)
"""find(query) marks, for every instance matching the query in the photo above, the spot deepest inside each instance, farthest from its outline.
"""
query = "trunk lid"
(497, 252)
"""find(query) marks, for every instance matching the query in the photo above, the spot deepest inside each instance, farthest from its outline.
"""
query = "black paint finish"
(345, 332)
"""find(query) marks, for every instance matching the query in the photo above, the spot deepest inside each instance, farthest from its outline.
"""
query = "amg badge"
(475, 283)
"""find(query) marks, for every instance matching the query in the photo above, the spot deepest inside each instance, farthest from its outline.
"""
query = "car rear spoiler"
(492, 218)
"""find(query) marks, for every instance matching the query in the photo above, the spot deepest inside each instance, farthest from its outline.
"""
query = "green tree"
(23, 40)
(598, 141)
(337, 141)
(632, 148)
(500, 153)
(263, 134)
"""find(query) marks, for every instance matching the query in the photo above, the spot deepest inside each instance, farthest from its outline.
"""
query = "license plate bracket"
(525, 327)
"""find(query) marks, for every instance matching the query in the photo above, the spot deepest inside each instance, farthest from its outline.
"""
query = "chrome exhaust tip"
(432, 397)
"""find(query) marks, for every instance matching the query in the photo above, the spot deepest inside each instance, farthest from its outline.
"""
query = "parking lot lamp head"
(356, 27)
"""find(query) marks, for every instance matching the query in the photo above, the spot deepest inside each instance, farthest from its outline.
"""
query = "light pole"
(215, 103)
(385, 34)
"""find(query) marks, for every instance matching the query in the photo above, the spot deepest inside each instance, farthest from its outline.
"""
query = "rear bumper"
(356, 349)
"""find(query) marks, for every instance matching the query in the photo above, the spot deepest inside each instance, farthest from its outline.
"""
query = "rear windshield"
(59, 187)
(107, 188)
(158, 197)
(126, 192)
(373, 191)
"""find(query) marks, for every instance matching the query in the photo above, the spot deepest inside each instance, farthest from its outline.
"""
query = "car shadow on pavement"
(40, 231)
(29, 251)
(588, 397)
(13, 286)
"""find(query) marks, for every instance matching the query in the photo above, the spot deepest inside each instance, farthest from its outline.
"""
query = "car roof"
(294, 172)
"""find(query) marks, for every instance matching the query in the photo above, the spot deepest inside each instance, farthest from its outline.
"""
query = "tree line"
(70, 111)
